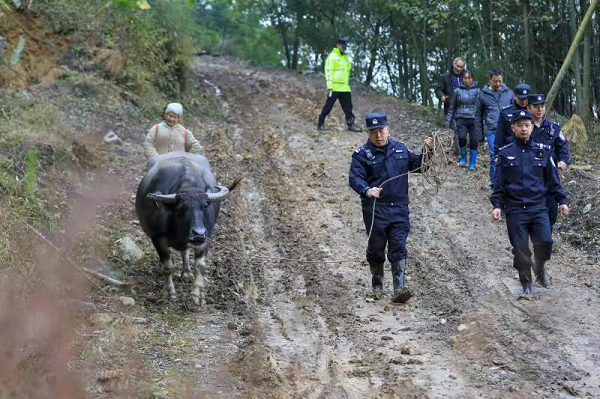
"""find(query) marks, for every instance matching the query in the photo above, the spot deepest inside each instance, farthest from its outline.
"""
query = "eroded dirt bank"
(288, 314)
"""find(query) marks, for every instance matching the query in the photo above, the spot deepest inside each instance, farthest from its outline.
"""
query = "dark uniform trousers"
(345, 98)
(522, 223)
(391, 227)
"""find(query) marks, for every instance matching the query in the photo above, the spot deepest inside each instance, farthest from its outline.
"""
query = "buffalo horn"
(218, 196)
(166, 198)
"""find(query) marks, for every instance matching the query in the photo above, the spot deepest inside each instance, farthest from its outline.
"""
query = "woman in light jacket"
(462, 110)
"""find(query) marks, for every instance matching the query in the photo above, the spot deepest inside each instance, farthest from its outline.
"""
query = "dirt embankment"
(288, 313)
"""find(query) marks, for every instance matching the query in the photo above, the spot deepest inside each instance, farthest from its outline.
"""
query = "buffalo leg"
(198, 290)
(167, 266)
(187, 275)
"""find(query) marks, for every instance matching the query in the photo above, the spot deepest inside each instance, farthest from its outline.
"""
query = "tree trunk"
(390, 73)
(286, 48)
(405, 63)
(529, 67)
(586, 81)
(576, 55)
(423, 82)
(374, 50)
(479, 19)
(296, 49)
(569, 57)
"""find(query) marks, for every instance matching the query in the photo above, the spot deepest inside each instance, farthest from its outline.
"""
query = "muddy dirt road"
(289, 314)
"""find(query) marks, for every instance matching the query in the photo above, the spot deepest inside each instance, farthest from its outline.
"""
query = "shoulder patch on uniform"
(562, 136)
(507, 106)
(358, 149)
(506, 146)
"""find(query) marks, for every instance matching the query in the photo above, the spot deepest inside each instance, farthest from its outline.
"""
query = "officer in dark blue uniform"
(373, 165)
(504, 134)
(548, 132)
(526, 174)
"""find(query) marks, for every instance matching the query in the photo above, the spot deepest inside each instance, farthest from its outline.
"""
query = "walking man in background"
(526, 175)
(493, 97)
(447, 83)
(337, 76)
(377, 161)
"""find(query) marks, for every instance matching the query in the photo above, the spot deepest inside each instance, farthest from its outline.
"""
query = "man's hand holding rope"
(428, 148)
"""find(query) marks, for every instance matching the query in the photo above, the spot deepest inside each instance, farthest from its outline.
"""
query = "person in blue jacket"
(548, 132)
(462, 110)
(526, 175)
(379, 174)
(493, 97)
(504, 134)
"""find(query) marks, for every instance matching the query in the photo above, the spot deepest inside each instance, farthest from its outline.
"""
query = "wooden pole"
(569, 57)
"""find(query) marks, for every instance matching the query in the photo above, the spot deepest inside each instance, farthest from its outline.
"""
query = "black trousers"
(345, 98)
(466, 127)
(523, 224)
(391, 228)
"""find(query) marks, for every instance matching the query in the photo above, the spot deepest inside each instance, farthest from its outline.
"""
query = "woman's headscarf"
(175, 108)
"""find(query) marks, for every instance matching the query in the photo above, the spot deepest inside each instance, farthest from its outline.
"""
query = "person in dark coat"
(462, 110)
(493, 97)
(548, 132)
(444, 90)
(526, 175)
(379, 174)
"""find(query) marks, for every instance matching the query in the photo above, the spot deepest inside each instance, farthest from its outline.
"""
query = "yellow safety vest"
(337, 71)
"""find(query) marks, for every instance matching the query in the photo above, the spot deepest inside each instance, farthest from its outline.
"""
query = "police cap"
(376, 120)
(534, 99)
(524, 114)
(522, 90)
(342, 40)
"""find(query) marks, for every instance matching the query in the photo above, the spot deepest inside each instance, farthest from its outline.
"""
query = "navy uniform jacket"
(525, 174)
(372, 165)
(504, 133)
(549, 133)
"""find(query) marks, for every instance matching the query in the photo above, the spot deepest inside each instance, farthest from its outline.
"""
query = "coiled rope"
(433, 167)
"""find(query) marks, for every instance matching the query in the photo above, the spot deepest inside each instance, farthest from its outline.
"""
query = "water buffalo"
(177, 204)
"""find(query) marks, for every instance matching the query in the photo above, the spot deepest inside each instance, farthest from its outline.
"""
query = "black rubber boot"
(321, 123)
(401, 293)
(539, 266)
(352, 127)
(525, 278)
(377, 279)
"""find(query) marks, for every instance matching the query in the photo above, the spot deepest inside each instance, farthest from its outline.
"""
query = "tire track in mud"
(314, 334)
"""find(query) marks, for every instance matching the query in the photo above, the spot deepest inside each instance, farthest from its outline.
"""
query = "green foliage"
(154, 40)
(31, 135)
(230, 28)
(31, 172)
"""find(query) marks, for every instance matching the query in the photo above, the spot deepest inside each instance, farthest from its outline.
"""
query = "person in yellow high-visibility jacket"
(337, 75)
